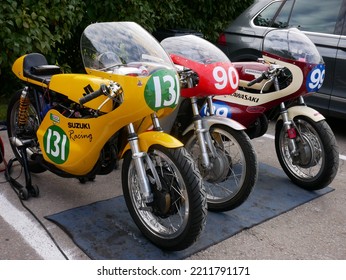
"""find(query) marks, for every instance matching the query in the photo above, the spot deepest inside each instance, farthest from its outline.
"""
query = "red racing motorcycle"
(273, 89)
(219, 146)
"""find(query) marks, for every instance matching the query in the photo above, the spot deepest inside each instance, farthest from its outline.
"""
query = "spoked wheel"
(26, 132)
(316, 162)
(177, 215)
(233, 172)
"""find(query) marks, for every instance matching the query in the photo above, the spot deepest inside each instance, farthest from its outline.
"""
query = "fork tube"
(210, 105)
(301, 100)
(287, 124)
(137, 157)
(156, 123)
(199, 131)
(207, 133)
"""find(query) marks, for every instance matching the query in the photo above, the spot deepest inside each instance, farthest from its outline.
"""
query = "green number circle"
(162, 90)
(56, 144)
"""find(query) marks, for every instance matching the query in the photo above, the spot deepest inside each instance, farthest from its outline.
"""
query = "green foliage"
(206, 16)
(213, 16)
(53, 27)
(34, 26)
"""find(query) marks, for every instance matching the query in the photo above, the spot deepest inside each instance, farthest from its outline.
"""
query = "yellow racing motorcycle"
(82, 125)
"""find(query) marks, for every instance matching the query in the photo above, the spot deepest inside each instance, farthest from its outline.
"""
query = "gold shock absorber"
(24, 103)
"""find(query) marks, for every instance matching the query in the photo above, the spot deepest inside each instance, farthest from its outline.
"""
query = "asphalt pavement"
(313, 231)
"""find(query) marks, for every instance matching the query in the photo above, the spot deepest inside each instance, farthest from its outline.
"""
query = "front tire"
(234, 171)
(177, 215)
(317, 161)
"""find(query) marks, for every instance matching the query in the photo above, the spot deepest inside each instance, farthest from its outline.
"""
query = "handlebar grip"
(257, 80)
(102, 90)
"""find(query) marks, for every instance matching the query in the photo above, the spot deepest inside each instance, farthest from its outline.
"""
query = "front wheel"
(177, 215)
(233, 171)
(316, 161)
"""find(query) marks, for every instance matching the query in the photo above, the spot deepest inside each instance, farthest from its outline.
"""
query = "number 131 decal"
(56, 144)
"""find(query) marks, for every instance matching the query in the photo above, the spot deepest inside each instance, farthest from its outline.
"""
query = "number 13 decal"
(225, 77)
(172, 91)
(162, 90)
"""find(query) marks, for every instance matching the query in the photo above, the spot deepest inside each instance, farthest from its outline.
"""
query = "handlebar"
(103, 90)
(263, 76)
(273, 71)
(188, 78)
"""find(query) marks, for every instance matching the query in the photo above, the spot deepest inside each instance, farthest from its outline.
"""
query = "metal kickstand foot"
(29, 190)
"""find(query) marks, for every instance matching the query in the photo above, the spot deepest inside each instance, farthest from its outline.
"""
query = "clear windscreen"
(291, 44)
(194, 48)
(122, 48)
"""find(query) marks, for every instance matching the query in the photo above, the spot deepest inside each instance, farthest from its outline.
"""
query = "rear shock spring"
(24, 103)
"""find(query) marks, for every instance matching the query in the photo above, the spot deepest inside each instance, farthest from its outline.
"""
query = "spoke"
(164, 224)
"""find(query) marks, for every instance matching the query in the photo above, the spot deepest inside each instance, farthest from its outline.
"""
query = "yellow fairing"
(73, 144)
(76, 86)
(131, 86)
(150, 138)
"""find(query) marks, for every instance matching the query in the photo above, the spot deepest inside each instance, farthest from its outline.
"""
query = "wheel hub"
(162, 204)
(309, 151)
(219, 170)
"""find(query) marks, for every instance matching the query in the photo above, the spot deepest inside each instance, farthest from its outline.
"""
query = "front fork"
(290, 127)
(140, 158)
(202, 133)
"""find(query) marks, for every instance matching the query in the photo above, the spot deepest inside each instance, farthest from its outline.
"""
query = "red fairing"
(219, 78)
(248, 70)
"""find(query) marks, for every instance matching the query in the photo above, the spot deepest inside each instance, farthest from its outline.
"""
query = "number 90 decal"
(162, 90)
(315, 78)
(223, 77)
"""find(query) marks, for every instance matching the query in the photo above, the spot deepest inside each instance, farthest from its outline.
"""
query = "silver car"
(321, 20)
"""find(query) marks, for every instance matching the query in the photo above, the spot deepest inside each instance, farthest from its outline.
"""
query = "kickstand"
(23, 192)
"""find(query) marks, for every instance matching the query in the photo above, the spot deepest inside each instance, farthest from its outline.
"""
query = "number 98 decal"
(315, 78)
(220, 108)
(162, 90)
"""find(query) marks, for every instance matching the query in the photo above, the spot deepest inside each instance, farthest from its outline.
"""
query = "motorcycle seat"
(36, 67)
